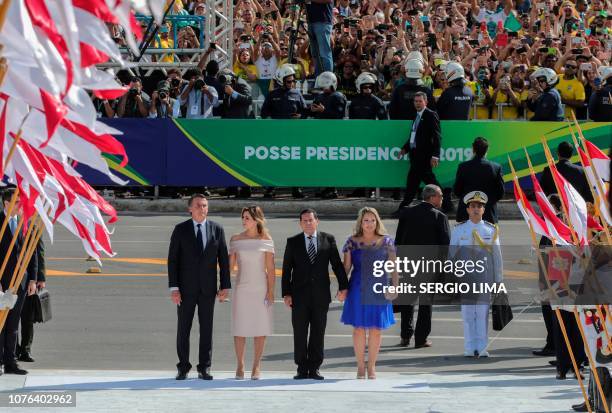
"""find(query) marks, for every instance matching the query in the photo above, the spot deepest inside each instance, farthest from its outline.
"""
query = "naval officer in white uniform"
(483, 237)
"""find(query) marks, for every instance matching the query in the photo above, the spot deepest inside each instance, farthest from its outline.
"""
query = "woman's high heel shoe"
(239, 374)
(371, 374)
(256, 374)
(361, 373)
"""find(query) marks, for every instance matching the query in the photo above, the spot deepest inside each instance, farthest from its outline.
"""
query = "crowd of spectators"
(499, 45)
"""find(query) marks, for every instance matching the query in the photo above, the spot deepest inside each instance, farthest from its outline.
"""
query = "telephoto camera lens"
(163, 95)
(199, 84)
(175, 82)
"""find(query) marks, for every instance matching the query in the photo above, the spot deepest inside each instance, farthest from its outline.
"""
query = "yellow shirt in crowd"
(509, 112)
(245, 70)
(482, 112)
(570, 89)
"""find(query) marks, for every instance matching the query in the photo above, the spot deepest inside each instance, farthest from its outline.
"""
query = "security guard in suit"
(479, 174)
(477, 233)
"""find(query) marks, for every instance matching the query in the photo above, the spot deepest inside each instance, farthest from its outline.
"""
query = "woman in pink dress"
(252, 251)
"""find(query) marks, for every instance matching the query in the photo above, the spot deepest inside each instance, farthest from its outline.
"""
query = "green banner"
(363, 153)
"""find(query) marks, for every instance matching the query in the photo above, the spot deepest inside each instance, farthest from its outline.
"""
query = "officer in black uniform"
(479, 174)
(456, 101)
(285, 102)
(600, 104)
(365, 105)
(402, 100)
(545, 103)
(330, 104)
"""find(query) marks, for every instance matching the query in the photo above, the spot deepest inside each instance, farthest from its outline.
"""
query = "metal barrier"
(173, 19)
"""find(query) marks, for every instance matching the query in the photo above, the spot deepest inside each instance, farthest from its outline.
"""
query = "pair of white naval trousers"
(475, 327)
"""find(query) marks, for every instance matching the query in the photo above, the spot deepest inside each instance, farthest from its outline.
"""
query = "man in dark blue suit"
(479, 174)
(8, 336)
(197, 247)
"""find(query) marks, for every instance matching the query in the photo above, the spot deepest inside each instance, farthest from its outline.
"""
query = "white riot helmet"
(365, 78)
(326, 80)
(605, 72)
(416, 55)
(549, 74)
(454, 71)
(282, 72)
(414, 69)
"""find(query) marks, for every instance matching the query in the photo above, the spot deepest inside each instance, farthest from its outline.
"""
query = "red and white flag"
(576, 206)
(598, 186)
(557, 229)
(601, 161)
(529, 214)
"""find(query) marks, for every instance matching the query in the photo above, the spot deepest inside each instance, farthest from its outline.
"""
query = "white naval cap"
(475, 196)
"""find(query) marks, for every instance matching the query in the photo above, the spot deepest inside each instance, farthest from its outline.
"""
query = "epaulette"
(460, 223)
(489, 224)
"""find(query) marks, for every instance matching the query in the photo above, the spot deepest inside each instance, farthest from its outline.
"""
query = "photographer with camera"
(236, 96)
(483, 92)
(511, 90)
(198, 97)
(135, 103)
(162, 104)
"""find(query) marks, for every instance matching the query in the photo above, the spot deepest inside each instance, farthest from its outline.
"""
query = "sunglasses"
(366, 87)
(570, 67)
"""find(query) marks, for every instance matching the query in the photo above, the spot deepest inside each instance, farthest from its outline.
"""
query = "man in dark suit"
(197, 246)
(236, 96)
(573, 173)
(422, 224)
(8, 336)
(24, 348)
(423, 149)
(305, 289)
(479, 174)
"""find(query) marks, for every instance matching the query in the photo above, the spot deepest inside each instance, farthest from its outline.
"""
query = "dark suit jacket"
(240, 106)
(192, 271)
(41, 273)
(422, 224)
(573, 173)
(479, 175)
(427, 138)
(30, 274)
(301, 279)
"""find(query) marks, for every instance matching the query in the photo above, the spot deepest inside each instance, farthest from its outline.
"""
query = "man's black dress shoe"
(14, 369)
(561, 376)
(300, 376)
(581, 407)
(25, 357)
(545, 352)
(427, 343)
(404, 342)
(552, 363)
(182, 374)
(203, 375)
(315, 375)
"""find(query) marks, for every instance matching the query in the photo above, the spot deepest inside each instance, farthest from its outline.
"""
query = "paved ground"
(120, 325)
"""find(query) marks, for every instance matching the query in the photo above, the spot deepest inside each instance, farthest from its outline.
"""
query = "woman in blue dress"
(364, 309)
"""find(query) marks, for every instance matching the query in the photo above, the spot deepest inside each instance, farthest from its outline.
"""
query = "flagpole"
(574, 235)
(556, 310)
(550, 161)
(596, 197)
(29, 247)
(588, 154)
(9, 211)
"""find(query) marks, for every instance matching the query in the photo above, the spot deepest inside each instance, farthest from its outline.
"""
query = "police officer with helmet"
(545, 101)
(330, 104)
(456, 100)
(366, 105)
(600, 104)
(402, 99)
(285, 102)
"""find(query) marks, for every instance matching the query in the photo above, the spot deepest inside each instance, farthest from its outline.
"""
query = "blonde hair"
(256, 213)
(380, 227)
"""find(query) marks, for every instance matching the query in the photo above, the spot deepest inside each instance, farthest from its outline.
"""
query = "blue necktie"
(13, 224)
(199, 238)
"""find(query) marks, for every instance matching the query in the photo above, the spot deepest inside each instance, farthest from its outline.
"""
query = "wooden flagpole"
(556, 310)
(574, 235)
